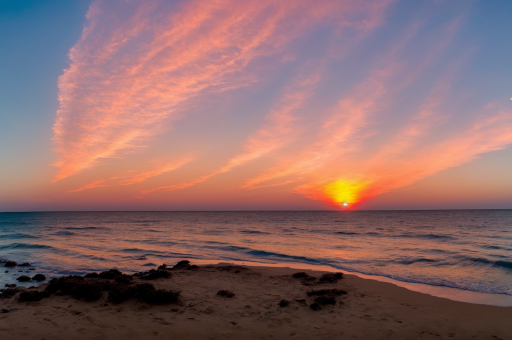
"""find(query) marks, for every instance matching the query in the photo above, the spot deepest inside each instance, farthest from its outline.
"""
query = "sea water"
(464, 249)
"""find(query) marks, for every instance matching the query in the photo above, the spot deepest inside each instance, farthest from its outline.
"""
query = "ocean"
(463, 249)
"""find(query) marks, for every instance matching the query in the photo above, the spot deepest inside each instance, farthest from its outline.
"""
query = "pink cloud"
(139, 65)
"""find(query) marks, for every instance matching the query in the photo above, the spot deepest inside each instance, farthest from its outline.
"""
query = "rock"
(338, 275)
(23, 278)
(163, 266)
(161, 296)
(184, 264)
(328, 278)
(10, 264)
(89, 291)
(33, 296)
(300, 275)
(325, 300)
(12, 285)
(330, 292)
(92, 275)
(308, 281)
(193, 267)
(79, 287)
(5, 311)
(110, 274)
(39, 277)
(24, 265)
(145, 292)
(9, 292)
(225, 293)
(123, 279)
(124, 293)
(155, 274)
(284, 303)
(315, 306)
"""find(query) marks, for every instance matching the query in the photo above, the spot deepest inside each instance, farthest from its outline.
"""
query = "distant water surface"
(464, 249)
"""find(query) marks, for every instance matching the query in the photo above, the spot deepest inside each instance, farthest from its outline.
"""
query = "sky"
(264, 105)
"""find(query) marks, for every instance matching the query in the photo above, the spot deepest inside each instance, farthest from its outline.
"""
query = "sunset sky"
(255, 105)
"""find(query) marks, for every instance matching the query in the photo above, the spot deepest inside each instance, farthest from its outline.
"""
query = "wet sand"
(369, 310)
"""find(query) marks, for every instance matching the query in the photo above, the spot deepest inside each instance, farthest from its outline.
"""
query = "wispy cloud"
(96, 184)
(138, 65)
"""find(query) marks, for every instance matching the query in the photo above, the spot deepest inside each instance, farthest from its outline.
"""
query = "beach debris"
(330, 278)
(12, 285)
(315, 306)
(23, 278)
(9, 292)
(10, 264)
(5, 311)
(154, 274)
(183, 264)
(26, 264)
(39, 277)
(92, 275)
(325, 300)
(283, 303)
(225, 293)
(33, 296)
(330, 292)
(301, 301)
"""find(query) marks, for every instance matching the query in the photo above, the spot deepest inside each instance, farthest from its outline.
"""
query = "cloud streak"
(139, 65)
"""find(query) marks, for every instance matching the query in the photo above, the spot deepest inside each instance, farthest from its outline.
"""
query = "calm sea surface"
(465, 249)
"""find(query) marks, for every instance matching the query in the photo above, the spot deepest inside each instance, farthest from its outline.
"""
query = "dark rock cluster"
(322, 296)
(92, 286)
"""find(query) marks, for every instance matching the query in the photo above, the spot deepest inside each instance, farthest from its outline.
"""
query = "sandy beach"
(268, 303)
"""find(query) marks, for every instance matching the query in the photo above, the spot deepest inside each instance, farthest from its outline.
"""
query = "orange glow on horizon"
(345, 193)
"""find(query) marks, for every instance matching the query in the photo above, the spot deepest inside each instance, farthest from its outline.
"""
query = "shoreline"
(451, 293)
(454, 294)
(348, 307)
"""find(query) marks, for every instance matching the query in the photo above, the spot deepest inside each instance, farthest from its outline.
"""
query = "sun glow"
(344, 192)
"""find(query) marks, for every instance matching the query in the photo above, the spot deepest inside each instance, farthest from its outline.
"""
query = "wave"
(427, 236)
(85, 228)
(15, 236)
(25, 246)
(504, 264)
(254, 232)
(418, 260)
(64, 233)
(345, 233)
